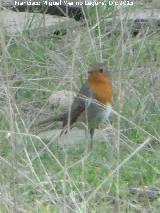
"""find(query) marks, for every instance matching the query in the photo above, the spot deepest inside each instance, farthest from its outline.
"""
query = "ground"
(40, 175)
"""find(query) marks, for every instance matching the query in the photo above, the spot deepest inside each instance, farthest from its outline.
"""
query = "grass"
(39, 176)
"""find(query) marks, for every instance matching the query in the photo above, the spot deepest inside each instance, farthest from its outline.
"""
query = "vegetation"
(38, 175)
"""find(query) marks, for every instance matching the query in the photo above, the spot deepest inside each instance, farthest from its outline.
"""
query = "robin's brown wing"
(78, 105)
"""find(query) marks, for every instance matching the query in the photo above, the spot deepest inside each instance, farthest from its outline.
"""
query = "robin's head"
(100, 83)
(97, 71)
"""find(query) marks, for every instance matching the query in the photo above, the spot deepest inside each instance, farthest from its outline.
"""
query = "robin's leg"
(91, 134)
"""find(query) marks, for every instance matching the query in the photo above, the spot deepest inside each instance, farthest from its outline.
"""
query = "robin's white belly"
(108, 111)
(95, 115)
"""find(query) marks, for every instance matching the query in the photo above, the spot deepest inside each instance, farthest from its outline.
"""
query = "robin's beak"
(89, 72)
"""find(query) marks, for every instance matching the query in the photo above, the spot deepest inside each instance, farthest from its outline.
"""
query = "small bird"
(92, 105)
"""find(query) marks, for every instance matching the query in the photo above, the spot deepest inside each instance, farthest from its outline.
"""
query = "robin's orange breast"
(101, 86)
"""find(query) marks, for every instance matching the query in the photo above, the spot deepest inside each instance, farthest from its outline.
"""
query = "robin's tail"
(45, 124)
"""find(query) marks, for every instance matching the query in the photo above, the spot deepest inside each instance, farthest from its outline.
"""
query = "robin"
(92, 105)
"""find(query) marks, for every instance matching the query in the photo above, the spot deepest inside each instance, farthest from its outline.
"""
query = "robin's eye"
(101, 70)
